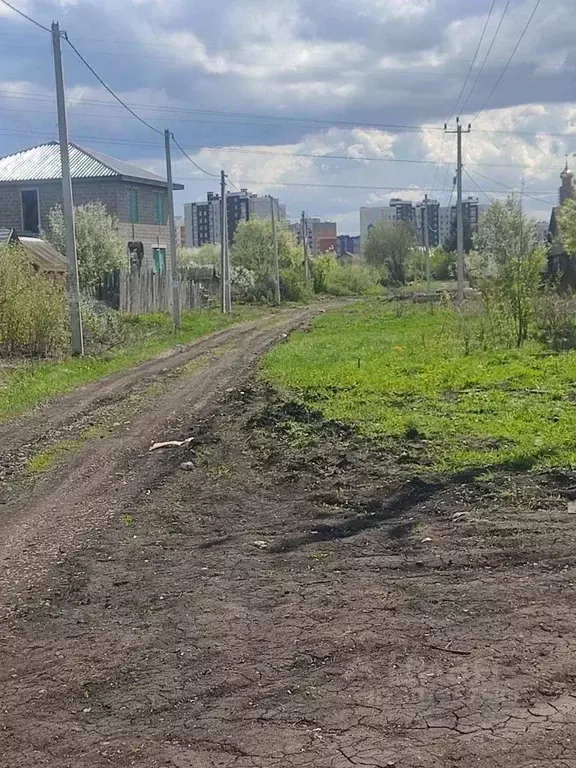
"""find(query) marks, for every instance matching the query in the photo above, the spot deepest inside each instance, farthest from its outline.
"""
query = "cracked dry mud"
(290, 602)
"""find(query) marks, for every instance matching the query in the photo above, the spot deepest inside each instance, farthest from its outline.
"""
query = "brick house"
(30, 186)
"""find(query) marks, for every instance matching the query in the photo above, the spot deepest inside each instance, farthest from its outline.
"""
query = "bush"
(555, 321)
(293, 286)
(33, 308)
(343, 279)
(193, 257)
(102, 326)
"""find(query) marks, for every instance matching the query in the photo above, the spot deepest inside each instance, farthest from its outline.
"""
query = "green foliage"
(555, 320)
(391, 247)
(206, 254)
(442, 264)
(99, 246)
(254, 248)
(343, 279)
(451, 242)
(293, 286)
(388, 374)
(510, 261)
(567, 225)
(33, 309)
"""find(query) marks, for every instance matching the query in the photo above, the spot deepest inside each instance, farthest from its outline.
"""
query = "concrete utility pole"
(173, 271)
(67, 201)
(224, 244)
(459, 209)
(304, 230)
(427, 243)
(276, 260)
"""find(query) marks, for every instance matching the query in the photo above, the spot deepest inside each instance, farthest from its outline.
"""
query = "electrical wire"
(511, 189)
(488, 52)
(194, 163)
(486, 195)
(473, 60)
(107, 87)
(24, 16)
(499, 80)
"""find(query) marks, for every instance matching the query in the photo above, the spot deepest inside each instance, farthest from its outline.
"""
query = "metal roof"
(42, 163)
(44, 255)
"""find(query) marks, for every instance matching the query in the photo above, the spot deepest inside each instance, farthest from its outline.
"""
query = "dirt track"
(296, 600)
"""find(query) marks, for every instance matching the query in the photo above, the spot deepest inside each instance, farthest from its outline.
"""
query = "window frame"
(133, 206)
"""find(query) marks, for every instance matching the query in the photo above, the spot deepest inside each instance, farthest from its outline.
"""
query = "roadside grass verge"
(24, 386)
(403, 377)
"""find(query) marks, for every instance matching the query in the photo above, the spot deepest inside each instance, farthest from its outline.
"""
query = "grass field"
(24, 386)
(405, 378)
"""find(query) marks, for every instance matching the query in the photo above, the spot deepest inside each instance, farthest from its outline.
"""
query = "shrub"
(103, 326)
(33, 308)
(344, 279)
(293, 286)
(555, 321)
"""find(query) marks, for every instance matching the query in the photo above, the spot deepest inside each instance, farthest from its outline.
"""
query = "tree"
(511, 262)
(253, 248)
(206, 254)
(567, 225)
(451, 243)
(98, 243)
(391, 246)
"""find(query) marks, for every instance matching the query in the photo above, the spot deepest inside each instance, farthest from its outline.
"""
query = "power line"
(107, 87)
(194, 163)
(480, 41)
(379, 126)
(24, 16)
(510, 189)
(478, 186)
(499, 80)
(488, 52)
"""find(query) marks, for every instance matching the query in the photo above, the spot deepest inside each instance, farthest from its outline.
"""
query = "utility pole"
(276, 260)
(224, 244)
(304, 229)
(173, 271)
(459, 209)
(427, 243)
(67, 201)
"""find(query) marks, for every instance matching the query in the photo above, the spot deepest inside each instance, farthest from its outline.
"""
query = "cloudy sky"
(327, 104)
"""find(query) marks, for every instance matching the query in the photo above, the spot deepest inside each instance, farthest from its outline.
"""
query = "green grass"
(406, 379)
(29, 384)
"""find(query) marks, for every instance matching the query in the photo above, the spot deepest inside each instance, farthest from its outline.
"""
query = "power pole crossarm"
(67, 201)
(173, 272)
(459, 209)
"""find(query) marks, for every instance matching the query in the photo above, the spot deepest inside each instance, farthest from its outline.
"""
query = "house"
(30, 186)
(560, 264)
(43, 256)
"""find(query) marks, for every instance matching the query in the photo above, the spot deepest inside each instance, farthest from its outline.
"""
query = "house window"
(158, 260)
(30, 211)
(133, 203)
(160, 208)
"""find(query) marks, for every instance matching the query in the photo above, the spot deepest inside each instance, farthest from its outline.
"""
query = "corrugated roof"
(42, 163)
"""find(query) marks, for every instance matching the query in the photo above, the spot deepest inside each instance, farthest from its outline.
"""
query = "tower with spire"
(567, 188)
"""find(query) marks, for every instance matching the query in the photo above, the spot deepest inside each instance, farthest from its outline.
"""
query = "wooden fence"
(143, 291)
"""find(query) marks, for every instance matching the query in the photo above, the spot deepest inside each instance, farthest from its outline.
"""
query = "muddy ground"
(299, 598)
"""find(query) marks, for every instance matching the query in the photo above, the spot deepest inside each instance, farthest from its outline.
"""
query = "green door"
(158, 260)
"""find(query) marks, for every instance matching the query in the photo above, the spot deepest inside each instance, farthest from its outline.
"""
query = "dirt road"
(297, 599)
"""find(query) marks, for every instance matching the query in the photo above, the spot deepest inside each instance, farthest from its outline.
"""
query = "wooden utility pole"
(276, 260)
(427, 242)
(304, 233)
(67, 201)
(459, 209)
(173, 271)
(224, 244)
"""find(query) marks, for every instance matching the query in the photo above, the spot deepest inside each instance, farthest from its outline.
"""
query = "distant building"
(559, 261)
(324, 237)
(348, 245)
(471, 210)
(370, 217)
(542, 231)
(404, 210)
(433, 223)
(202, 220)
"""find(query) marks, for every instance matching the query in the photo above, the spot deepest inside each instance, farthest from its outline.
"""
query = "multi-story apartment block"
(203, 220)
(433, 223)
(370, 217)
(348, 245)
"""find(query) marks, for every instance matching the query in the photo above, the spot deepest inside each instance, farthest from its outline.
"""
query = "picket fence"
(139, 292)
